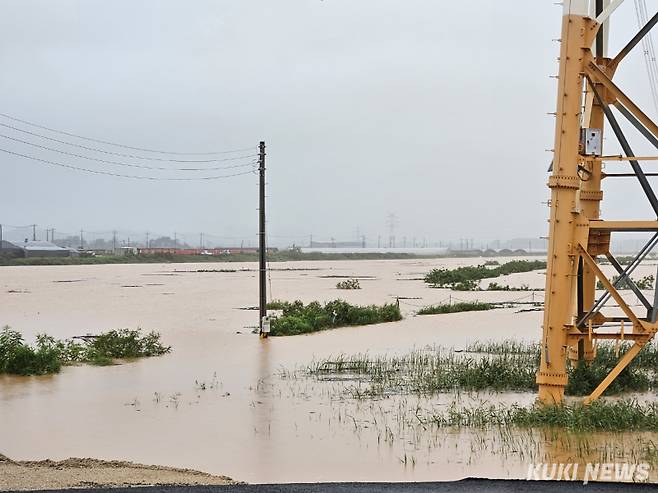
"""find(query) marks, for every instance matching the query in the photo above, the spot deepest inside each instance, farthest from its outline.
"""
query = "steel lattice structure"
(573, 316)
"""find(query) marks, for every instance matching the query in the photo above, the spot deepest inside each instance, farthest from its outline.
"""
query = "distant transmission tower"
(392, 223)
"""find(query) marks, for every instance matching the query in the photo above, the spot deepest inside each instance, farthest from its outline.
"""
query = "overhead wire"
(136, 177)
(120, 154)
(649, 51)
(107, 142)
(142, 166)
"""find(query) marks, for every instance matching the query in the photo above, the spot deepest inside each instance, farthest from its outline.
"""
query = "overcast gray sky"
(433, 110)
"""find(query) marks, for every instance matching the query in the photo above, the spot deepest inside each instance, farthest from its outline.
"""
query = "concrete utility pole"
(34, 232)
(262, 267)
(577, 235)
(148, 242)
(114, 242)
(82, 239)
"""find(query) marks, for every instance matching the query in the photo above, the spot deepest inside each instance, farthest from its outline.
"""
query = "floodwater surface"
(221, 401)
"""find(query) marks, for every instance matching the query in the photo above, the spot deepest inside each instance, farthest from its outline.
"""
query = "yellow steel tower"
(573, 317)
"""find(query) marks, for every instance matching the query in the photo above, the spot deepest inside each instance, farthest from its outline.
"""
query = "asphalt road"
(464, 486)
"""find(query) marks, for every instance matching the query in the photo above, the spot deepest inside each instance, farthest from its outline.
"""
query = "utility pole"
(0, 236)
(114, 242)
(34, 232)
(148, 243)
(82, 240)
(262, 268)
(201, 241)
(175, 240)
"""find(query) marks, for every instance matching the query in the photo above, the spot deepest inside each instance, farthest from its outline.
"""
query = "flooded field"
(226, 402)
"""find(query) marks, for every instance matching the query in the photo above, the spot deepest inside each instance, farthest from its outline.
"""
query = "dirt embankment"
(78, 473)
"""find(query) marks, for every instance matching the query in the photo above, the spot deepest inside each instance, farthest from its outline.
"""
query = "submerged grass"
(627, 415)
(298, 318)
(493, 366)
(456, 308)
(48, 355)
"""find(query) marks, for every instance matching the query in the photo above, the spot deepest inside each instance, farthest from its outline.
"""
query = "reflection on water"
(218, 402)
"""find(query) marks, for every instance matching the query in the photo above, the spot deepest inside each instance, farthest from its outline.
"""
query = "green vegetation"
(49, 354)
(298, 318)
(467, 278)
(504, 366)
(600, 415)
(348, 284)
(494, 286)
(427, 372)
(455, 308)
(277, 305)
(645, 282)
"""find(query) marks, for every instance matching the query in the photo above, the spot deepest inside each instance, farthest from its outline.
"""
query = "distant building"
(44, 249)
(200, 251)
(10, 250)
(337, 244)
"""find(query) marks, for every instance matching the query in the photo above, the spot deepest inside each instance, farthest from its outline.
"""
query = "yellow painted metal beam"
(594, 72)
(623, 363)
(610, 288)
(624, 225)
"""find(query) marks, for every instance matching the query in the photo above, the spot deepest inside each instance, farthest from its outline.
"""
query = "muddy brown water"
(249, 423)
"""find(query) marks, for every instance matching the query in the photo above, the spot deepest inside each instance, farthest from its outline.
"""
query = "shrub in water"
(298, 318)
(49, 354)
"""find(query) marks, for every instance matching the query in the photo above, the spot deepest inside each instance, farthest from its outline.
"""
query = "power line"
(108, 173)
(119, 163)
(649, 51)
(107, 142)
(131, 156)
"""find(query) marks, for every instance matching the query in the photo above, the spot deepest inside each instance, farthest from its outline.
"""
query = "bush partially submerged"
(298, 318)
(18, 358)
(348, 284)
(645, 282)
(467, 278)
(49, 354)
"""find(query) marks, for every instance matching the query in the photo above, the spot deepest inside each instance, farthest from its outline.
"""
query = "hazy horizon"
(433, 111)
